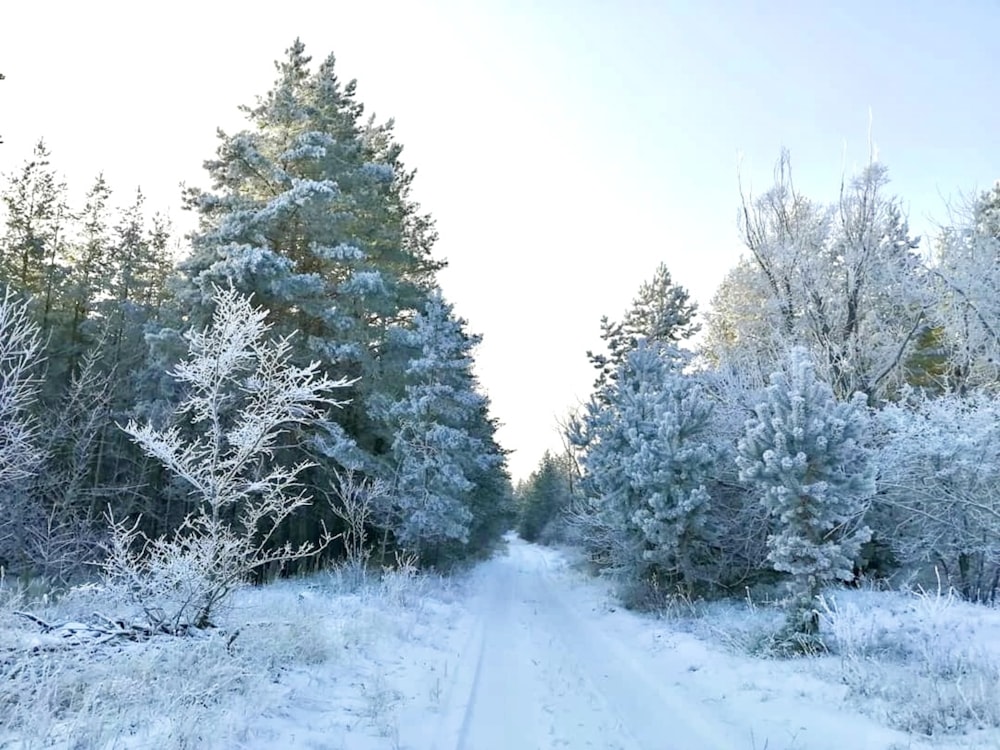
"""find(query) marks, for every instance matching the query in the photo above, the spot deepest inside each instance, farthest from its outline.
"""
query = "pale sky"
(565, 147)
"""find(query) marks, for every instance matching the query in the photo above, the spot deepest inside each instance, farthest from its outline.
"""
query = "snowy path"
(528, 654)
(539, 674)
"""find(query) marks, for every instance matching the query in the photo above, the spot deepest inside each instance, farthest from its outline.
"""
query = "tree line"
(835, 420)
(309, 220)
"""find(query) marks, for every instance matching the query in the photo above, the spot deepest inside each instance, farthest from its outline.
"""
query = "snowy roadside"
(315, 663)
(457, 671)
(906, 670)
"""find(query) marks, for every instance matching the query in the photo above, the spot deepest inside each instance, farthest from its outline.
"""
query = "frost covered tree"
(967, 276)
(310, 211)
(662, 312)
(544, 497)
(244, 396)
(938, 502)
(843, 281)
(20, 355)
(450, 476)
(646, 463)
(87, 277)
(33, 245)
(805, 454)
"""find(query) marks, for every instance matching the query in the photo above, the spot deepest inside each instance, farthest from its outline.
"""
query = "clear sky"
(565, 147)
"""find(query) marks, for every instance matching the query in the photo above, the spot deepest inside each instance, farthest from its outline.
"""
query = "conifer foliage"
(545, 498)
(646, 464)
(442, 444)
(310, 212)
(804, 453)
(243, 395)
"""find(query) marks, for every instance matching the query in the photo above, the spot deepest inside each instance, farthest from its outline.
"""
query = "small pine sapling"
(804, 453)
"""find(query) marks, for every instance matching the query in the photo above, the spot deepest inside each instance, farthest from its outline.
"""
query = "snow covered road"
(539, 674)
(527, 653)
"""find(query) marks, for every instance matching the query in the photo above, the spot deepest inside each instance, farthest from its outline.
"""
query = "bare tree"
(354, 503)
(243, 394)
(842, 281)
(20, 355)
(939, 487)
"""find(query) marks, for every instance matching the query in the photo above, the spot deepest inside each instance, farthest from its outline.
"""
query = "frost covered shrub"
(918, 661)
(20, 353)
(243, 394)
(804, 453)
(740, 523)
(939, 487)
(165, 693)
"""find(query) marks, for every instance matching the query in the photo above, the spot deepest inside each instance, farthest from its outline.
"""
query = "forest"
(290, 365)
(831, 418)
(288, 390)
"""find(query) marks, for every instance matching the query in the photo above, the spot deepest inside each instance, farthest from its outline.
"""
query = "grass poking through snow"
(223, 688)
(923, 662)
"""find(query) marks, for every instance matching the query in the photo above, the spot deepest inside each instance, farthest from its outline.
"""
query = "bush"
(243, 394)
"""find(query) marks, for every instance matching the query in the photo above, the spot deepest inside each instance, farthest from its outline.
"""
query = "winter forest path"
(537, 673)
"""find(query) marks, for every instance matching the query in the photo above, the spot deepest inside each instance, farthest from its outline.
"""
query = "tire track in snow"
(544, 677)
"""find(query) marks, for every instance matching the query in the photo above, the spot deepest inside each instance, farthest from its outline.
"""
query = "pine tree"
(90, 268)
(33, 247)
(661, 312)
(542, 498)
(804, 453)
(646, 463)
(450, 477)
(310, 212)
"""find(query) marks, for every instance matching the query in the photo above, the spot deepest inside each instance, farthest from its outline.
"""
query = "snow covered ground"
(523, 652)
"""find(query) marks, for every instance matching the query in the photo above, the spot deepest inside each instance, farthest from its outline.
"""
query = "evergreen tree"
(450, 477)
(804, 453)
(542, 498)
(33, 247)
(94, 281)
(90, 264)
(310, 213)
(646, 463)
(661, 312)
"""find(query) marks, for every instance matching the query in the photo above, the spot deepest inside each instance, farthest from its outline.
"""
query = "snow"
(525, 651)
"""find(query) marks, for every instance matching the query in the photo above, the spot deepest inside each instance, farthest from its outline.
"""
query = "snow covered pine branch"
(243, 392)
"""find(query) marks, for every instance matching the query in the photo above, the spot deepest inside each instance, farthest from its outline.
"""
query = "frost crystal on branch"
(243, 394)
